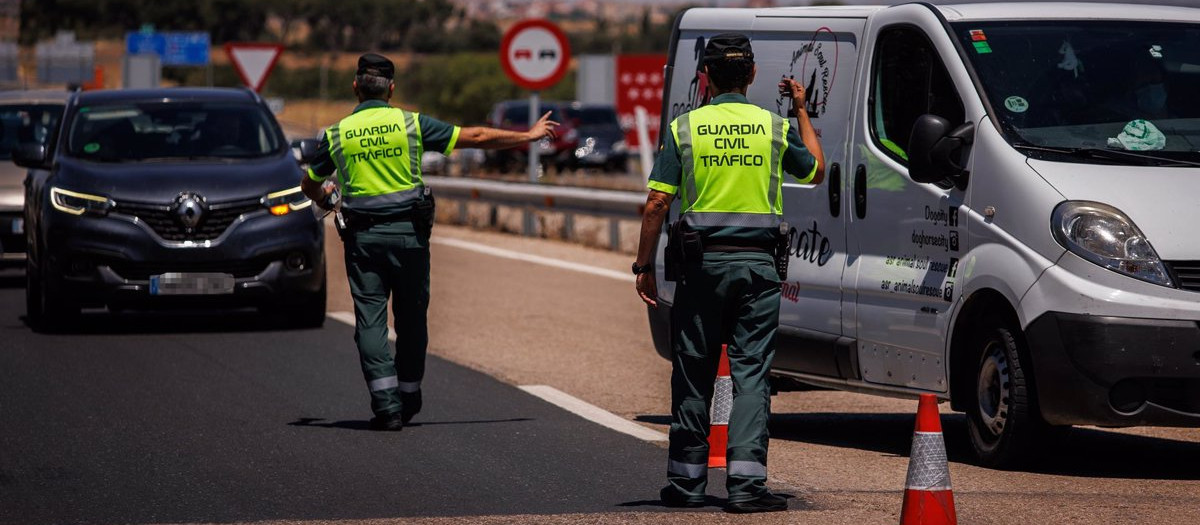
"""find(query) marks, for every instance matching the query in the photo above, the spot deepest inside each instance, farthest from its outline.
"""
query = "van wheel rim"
(994, 389)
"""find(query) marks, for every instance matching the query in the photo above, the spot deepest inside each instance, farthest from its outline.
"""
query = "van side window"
(908, 80)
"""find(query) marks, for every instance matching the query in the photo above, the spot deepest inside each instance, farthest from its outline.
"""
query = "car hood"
(1160, 201)
(153, 182)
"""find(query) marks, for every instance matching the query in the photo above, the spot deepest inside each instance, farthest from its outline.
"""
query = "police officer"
(725, 161)
(389, 214)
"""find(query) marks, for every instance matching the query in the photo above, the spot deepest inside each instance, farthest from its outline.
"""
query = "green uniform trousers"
(389, 259)
(731, 298)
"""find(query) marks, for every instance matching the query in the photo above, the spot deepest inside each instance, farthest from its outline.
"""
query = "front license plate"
(191, 284)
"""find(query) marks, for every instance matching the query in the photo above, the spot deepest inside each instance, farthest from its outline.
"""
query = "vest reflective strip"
(683, 139)
(383, 383)
(410, 388)
(374, 201)
(777, 145)
(688, 470)
(749, 220)
(414, 147)
(747, 469)
(339, 158)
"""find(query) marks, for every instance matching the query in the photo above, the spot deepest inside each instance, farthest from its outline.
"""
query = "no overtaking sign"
(535, 54)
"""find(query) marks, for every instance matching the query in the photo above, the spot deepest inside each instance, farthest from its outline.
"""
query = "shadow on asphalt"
(1085, 452)
(171, 322)
(365, 425)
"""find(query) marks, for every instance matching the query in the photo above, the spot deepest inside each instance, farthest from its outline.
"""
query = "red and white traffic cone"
(722, 405)
(928, 498)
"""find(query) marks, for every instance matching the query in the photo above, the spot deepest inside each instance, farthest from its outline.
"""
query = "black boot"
(767, 502)
(388, 422)
(410, 405)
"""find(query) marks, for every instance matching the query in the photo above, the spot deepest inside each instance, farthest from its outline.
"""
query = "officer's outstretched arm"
(808, 135)
(493, 138)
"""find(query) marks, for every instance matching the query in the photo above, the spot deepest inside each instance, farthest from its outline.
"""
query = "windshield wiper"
(1107, 154)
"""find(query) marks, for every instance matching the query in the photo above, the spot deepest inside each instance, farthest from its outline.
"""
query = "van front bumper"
(1116, 371)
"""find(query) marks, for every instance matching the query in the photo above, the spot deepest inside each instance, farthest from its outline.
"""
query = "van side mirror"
(30, 155)
(305, 150)
(936, 153)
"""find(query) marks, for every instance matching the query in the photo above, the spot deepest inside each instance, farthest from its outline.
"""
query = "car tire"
(308, 312)
(1003, 421)
(45, 310)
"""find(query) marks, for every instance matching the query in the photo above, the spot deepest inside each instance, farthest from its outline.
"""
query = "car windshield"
(26, 123)
(595, 117)
(1092, 91)
(172, 131)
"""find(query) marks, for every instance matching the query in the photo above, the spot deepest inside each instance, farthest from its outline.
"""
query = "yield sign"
(253, 61)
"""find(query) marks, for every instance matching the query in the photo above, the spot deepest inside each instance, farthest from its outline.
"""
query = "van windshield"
(1092, 91)
(124, 132)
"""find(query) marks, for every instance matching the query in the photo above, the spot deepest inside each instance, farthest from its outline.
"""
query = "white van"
(1011, 211)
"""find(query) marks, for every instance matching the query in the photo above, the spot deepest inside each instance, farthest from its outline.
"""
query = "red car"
(514, 115)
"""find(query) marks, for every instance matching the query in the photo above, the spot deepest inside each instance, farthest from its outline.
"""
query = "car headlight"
(286, 201)
(1103, 235)
(76, 203)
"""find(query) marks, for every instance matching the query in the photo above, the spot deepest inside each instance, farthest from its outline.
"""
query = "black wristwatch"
(638, 270)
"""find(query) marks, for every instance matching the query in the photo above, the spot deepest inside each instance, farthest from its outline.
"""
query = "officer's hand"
(327, 189)
(544, 128)
(647, 288)
(789, 87)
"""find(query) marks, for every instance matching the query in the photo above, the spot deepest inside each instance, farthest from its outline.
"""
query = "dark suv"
(514, 115)
(169, 197)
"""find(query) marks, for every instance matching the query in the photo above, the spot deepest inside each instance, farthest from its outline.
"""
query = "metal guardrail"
(614, 205)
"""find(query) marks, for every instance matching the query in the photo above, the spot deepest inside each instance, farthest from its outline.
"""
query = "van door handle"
(835, 189)
(860, 191)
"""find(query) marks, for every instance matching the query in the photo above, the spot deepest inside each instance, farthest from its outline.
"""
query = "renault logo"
(189, 209)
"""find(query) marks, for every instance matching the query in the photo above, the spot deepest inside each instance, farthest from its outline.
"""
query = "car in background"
(162, 198)
(601, 139)
(514, 115)
(25, 116)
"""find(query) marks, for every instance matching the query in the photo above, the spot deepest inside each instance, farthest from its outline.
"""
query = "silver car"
(26, 116)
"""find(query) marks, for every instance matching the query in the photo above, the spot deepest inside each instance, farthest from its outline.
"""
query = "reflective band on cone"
(722, 405)
(928, 498)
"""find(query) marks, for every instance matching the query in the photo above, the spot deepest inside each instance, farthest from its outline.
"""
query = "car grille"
(216, 219)
(1186, 273)
(141, 271)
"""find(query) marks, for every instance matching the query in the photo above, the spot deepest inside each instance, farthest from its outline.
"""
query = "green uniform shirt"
(667, 175)
(434, 135)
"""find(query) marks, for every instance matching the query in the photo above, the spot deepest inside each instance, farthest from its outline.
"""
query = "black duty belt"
(362, 221)
(730, 246)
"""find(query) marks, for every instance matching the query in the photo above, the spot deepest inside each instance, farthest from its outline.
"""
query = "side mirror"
(30, 155)
(305, 150)
(936, 152)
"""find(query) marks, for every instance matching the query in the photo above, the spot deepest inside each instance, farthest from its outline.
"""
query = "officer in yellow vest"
(389, 215)
(726, 162)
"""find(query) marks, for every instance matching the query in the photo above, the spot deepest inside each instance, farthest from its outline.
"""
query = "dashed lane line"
(562, 400)
(535, 259)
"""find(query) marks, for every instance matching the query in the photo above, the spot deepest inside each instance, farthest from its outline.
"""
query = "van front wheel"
(1002, 420)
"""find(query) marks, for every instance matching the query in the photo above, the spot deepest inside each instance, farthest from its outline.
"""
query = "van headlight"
(76, 203)
(286, 201)
(1103, 235)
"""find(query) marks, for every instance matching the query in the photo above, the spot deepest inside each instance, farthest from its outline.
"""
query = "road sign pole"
(534, 114)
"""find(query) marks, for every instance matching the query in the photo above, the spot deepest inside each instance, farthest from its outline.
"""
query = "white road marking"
(593, 413)
(561, 399)
(536, 259)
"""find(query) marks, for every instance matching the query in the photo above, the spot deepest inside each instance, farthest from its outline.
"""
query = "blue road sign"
(175, 48)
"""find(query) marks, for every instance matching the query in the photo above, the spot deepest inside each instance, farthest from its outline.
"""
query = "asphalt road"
(202, 417)
(224, 418)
